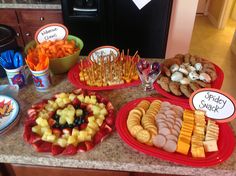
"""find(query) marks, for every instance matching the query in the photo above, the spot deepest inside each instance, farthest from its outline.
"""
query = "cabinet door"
(19, 38)
(39, 17)
(28, 33)
(8, 17)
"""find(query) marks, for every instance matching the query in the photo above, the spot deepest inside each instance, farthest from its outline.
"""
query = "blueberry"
(56, 117)
(71, 126)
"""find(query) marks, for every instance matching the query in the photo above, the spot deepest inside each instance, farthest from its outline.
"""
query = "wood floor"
(209, 42)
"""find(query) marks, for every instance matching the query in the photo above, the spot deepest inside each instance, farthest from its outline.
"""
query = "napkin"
(141, 3)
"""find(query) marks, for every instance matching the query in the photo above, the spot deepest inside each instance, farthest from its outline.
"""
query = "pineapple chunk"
(63, 95)
(81, 97)
(82, 135)
(47, 132)
(93, 99)
(61, 104)
(62, 120)
(101, 105)
(72, 96)
(99, 122)
(91, 119)
(42, 122)
(49, 107)
(78, 112)
(43, 129)
(37, 129)
(88, 138)
(72, 140)
(96, 109)
(70, 119)
(103, 111)
(66, 100)
(75, 132)
(93, 125)
(87, 99)
(90, 131)
(62, 142)
(51, 138)
(100, 116)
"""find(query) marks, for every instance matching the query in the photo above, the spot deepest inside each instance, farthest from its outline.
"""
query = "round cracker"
(143, 136)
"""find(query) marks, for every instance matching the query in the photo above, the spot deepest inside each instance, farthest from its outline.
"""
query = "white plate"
(9, 110)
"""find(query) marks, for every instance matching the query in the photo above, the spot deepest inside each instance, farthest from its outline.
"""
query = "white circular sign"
(217, 105)
(51, 32)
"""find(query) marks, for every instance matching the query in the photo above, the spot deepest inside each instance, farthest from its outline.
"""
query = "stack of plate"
(9, 110)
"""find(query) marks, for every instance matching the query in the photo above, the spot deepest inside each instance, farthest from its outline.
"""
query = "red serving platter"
(226, 140)
(73, 77)
(215, 84)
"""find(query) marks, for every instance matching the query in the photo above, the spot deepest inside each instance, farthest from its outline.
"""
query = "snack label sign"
(218, 105)
(52, 32)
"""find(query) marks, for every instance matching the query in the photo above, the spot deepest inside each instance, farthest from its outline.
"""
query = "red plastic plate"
(226, 140)
(73, 77)
(216, 84)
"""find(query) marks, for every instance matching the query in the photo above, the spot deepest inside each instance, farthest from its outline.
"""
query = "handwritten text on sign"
(51, 32)
(215, 103)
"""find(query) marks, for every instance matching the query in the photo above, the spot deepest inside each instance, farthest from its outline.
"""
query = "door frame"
(224, 15)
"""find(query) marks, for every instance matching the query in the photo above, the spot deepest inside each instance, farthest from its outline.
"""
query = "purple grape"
(140, 67)
(155, 66)
(144, 63)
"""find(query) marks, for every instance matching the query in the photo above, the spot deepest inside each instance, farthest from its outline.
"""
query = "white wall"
(181, 26)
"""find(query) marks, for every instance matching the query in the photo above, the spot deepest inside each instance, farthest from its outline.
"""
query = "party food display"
(184, 74)
(69, 122)
(109, 70)
(173, 128)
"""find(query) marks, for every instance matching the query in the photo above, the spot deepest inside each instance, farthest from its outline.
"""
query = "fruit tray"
(226, 142)
(68, 123)
(73, 77)
(215, 84)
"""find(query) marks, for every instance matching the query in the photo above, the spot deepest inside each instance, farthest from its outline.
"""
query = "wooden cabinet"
(26, 170)
(27, 21)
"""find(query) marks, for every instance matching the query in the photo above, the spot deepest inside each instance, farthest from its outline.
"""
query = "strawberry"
(78, 91)
(82, 147)
(76, 102)
(31, 112)
(39, 105)
(27, 133)
(34, 138)
(111, 111)
(89, 145)
(30, 121)
(83, 105)
(91, 93)
(51, 114)
(103, 100)
(70, 150)
(56, 149)
(109, 106)
(107, 129)
(51, 121)
(66, 131)
(89, 108)
(57, 132)
(110, 119)
(99, 97)
(98, 137)
(42, 146)
(83, 126)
